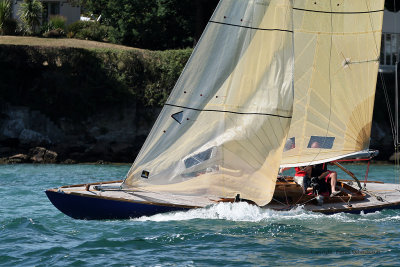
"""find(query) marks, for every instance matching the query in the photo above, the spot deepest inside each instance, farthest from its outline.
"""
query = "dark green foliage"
(76, 83)
(54, 33)
(77, 26)
(30, 13)
(9, 26)
(158, 24)
(5, 13)
(95, 32)
(166, 63)
(88, 30)
(58, 22)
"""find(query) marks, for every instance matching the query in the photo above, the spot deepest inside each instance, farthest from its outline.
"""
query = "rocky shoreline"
(41, 155)
(112, 135)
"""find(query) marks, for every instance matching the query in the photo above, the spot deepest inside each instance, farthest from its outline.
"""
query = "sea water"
(34, 233)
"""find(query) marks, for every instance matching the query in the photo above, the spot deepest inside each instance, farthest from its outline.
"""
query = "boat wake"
(245, 212)
(241, 211)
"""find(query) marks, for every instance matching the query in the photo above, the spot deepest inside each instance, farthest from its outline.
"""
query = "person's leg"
(306, 183)
(333, 177)
(300, 181)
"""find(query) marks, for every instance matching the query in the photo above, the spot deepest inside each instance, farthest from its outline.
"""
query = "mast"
(396, 112)
(292, 3)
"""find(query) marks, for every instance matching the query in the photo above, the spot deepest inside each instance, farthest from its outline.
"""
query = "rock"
(42, 155)
(50, 157)
(69, 161)
(19, 157)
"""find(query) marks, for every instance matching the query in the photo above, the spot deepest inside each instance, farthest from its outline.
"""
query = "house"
(53, 7)
(390, 45)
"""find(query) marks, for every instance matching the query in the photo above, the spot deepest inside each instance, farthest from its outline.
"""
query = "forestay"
(224, 126)
(337, 48)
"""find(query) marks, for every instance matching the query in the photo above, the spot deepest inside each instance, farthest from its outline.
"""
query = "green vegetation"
(75, 82)
(5, 13)
(55, 28)
(88, 30)
(30, 14)
(58, 22)
(157, 24)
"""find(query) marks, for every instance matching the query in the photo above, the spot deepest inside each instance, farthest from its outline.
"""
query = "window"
(198, 158)
(290, 144)
(321, 142)
(178, 117)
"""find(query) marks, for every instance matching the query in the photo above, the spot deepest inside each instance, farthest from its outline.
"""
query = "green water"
(34, 233)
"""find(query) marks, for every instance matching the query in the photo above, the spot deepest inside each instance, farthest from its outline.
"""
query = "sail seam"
(232, 112)
(248, 27)
(334, 12)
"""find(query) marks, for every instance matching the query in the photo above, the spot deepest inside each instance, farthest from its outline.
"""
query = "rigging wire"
(396, 155)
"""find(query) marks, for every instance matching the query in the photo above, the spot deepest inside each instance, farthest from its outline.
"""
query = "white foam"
(243, 211)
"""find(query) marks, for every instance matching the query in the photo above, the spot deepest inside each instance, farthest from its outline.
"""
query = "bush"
(55, 28)
(9, 27)
(77, 26)
(88, 30)
(58, 22)
(30, 13)
(77, 82)
(5, 13)
(56, 33)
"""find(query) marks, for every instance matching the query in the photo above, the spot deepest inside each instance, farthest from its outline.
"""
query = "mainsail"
(224, 126)
(228, 121)
(337, 49)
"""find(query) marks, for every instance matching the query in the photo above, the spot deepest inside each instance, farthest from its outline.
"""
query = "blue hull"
(91, 208)
(98, 208)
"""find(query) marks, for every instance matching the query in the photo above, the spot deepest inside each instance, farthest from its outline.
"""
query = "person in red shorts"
(330, 177)
(302, 176)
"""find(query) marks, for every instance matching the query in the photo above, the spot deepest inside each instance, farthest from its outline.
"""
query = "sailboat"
(267, 81)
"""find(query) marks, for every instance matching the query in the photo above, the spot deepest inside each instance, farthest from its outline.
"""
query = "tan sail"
(337, 48)
(224, 126)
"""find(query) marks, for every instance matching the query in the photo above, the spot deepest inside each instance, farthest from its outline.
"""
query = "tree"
(30, 13)
(5, 12)
(156, 24)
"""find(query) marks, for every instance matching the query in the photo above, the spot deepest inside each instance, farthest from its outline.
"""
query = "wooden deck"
(376, 196)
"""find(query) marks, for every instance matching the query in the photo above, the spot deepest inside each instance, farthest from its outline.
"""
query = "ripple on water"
(34, 233)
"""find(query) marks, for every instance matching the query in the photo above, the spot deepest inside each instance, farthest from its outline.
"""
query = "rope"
(284, 190)
(379, 198)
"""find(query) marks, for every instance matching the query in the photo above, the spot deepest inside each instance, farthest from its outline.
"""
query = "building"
(53, 7)
(390, 41)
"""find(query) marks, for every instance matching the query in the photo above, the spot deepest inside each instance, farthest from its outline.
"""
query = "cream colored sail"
(223, 129)
(337, 48)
